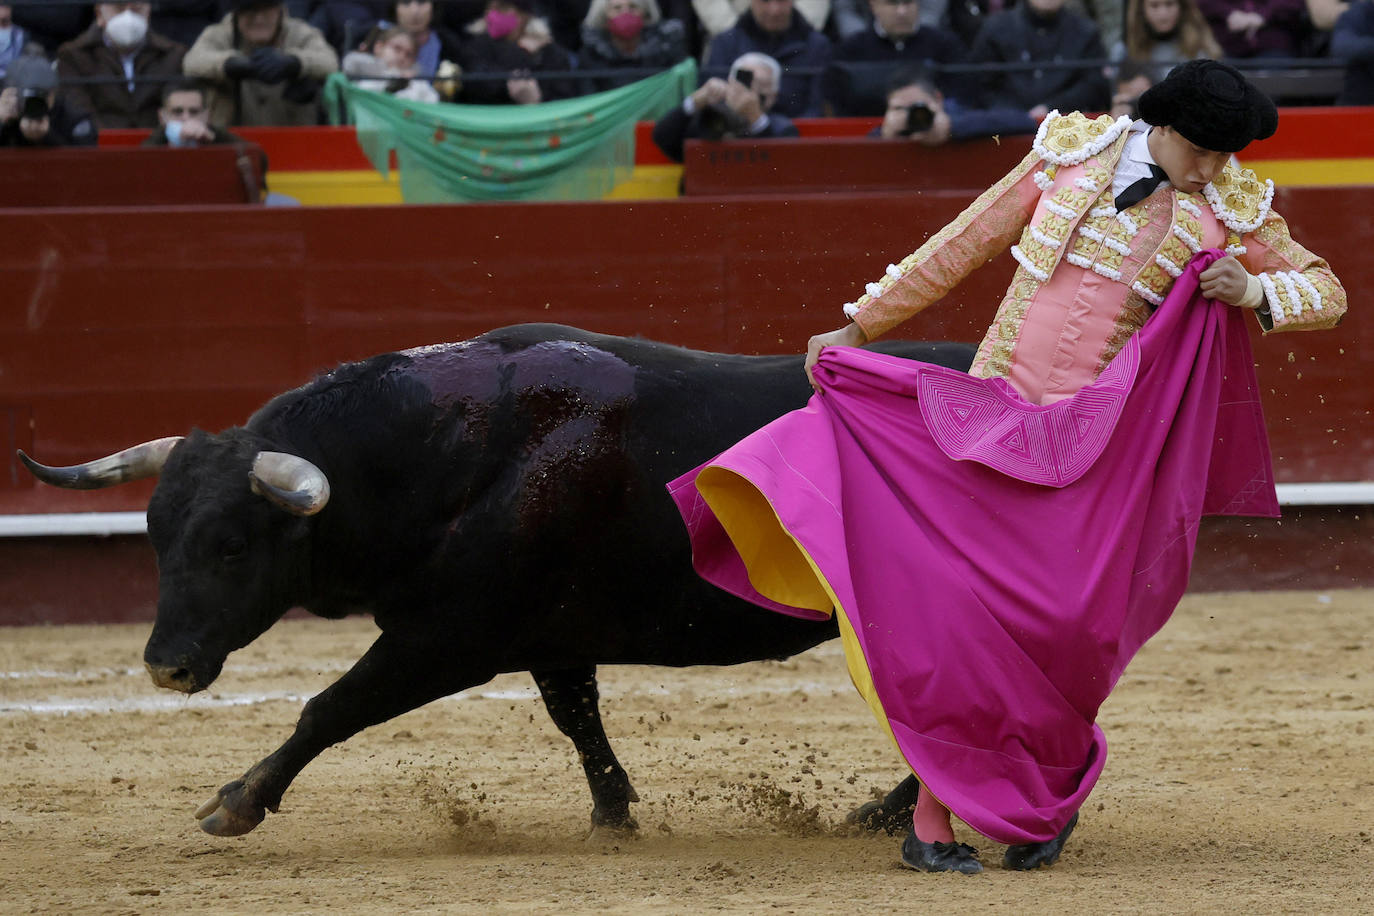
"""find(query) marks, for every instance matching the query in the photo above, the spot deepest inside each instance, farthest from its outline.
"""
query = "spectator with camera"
(116, 68)
(31, 114)
(918, 111)
(775, 28)
(263, 67)
(1041, 32)
(736, 107)
(856, 83)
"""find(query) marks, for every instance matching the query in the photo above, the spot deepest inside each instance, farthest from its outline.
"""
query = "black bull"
(497, 505)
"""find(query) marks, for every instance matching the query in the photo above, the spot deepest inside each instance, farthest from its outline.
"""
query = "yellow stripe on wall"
(332, 188)
(649, 182)
(365, 186)
(1295, 173)
(360, 187)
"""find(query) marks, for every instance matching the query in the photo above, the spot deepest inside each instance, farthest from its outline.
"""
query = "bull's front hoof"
(1030, 856)
(225, 814)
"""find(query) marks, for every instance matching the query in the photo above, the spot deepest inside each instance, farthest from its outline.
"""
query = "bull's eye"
(233, 548)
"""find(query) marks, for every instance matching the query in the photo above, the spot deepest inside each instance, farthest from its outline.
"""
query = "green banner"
(570, 149)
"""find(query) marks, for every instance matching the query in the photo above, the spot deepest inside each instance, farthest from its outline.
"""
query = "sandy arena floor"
(1241, 780)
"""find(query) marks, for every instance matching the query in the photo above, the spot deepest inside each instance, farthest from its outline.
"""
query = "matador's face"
(1189, 166)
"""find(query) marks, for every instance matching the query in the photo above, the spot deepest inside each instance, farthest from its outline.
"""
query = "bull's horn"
(290, 482)
(144, 460)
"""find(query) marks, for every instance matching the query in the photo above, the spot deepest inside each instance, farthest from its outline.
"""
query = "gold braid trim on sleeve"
(1302, 292)
(984, 230)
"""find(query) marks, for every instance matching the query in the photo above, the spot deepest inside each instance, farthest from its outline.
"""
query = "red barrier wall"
(153, 176)
(846, 165)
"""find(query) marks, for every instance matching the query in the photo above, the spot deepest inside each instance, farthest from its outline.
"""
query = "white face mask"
(173, 131)
(6, 37)
(126, 30)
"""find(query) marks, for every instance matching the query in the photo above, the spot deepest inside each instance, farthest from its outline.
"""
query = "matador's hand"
(851, 335)
(1226, 280)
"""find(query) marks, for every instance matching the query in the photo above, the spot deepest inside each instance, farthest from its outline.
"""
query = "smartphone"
(745, 78)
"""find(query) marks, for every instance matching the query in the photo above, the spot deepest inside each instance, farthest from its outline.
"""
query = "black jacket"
(67, 126)
(660, 46)
(856, 82)
(484, 54)
(1018, 35)
(673, 130)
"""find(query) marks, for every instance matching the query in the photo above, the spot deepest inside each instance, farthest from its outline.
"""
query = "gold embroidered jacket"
(1057, 207)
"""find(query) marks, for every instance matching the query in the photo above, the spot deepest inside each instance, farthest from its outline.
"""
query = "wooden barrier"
(846, 165)
(140, 176)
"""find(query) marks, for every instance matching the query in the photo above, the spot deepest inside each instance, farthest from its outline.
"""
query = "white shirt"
(126, 60)
(1135, 160)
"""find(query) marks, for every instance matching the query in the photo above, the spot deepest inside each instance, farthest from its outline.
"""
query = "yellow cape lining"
(781, 569)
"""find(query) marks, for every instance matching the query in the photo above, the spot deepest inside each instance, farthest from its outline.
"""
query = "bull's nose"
(173, 678)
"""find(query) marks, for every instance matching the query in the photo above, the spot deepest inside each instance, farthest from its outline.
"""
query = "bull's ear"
(289, 482)
(143, 460)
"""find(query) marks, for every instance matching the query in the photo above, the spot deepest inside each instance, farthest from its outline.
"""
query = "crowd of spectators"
(980, 66)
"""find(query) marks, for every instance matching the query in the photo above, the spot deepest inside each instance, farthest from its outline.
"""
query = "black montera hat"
(1212, 105)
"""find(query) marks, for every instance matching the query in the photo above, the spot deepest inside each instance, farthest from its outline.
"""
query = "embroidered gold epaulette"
(1073, 138)
(1239, 199)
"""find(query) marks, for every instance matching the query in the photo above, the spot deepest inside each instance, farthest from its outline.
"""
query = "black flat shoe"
(1029, 856)
(923, 856)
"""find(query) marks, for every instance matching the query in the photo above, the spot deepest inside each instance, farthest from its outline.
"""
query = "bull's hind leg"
(571, 697)
(893, 813)
(400, 672)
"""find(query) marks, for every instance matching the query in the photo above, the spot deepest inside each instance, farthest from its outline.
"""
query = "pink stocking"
(931, 819)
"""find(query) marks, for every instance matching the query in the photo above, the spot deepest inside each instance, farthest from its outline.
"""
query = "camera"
(719, 120)
(35, 105)
(745, 78)
(919, 119)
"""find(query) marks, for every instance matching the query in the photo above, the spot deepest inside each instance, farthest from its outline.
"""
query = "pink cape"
(995, 564)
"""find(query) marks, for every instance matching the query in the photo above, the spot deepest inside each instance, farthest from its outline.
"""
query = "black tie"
(1137, 191)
